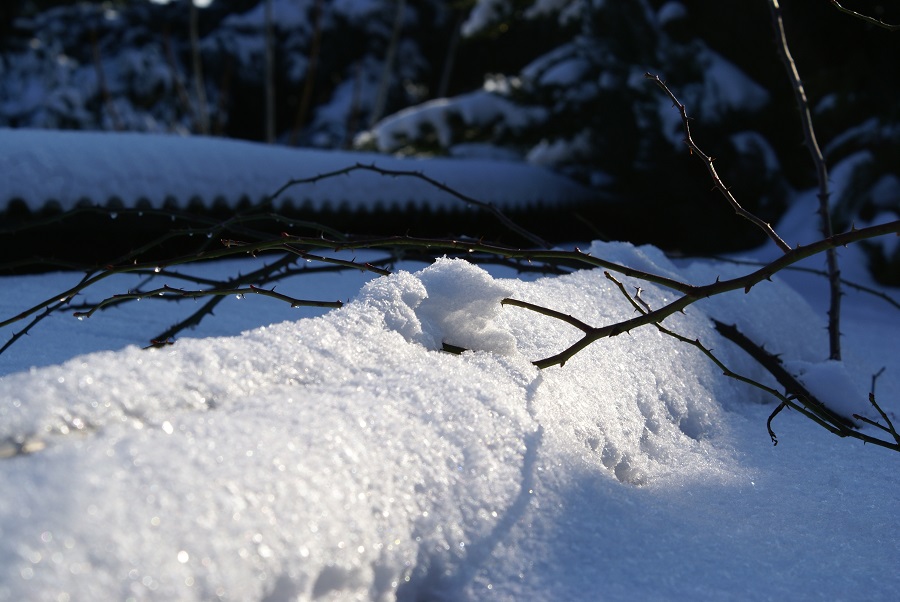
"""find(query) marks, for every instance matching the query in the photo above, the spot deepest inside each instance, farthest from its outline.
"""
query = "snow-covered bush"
(98, 66)
(584, 109)
(569, 94)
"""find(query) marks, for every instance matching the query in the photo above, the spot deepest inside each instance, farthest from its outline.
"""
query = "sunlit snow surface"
(346, 457)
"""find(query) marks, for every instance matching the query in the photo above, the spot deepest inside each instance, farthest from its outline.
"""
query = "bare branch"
(875, 378)
(548, 312)
(890, 425)
(34, 322)
(696, 293)
(867, 19)
(809, 137)
(193, 320)
(811, 408)
(808, 405)
(762, 225)
(489, 207)
(793, 387)
(794, 268)
(467, 246)
(167, 290)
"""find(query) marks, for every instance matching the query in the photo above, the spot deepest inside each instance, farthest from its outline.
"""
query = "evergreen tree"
(584, 108)
(96, 66)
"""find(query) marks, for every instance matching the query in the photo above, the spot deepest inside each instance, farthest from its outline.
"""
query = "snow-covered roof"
(66, 167)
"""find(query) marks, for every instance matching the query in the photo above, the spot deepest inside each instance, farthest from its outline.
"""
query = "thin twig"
(469, 247)
(866, 18)
(232, 248)
(890, 428)
(812, 410)
(34, 322)
(809, 137)
(808, 406)
(489, 207)
(167, 290)
(875, 378)
(708, 161)
(696, 293)
(793, 387)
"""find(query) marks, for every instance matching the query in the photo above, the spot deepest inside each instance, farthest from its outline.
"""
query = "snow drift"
(345, 457)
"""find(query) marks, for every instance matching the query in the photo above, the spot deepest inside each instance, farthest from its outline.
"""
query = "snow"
(829, 381)
(752, 143)
(884, 191)
(448, 120)
(568, 10)
(671, 11)
(284, 16)
(728, 88)
(558, 152)
(344, 456)
(724, 89)
(198, 3)
(39, 166)
(484, 14)
(568, 73)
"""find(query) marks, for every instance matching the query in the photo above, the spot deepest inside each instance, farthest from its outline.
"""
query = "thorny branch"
(844, 282)
(866, 18)
(290, 248)
(215, 230)
(708, 161)
(167, 290)
(818, 414)
(696, 293)
(796, 397)
(809, 137)
(301, 246)
(890, 425)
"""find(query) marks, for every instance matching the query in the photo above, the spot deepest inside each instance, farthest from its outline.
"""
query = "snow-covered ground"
(344, 456)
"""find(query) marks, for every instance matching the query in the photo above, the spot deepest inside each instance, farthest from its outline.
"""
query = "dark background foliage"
(142, 51)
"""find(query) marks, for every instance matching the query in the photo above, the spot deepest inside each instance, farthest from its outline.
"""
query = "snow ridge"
(342, 455)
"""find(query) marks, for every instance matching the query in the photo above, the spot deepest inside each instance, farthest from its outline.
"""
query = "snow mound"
(451, 302)
(324, 457)
(344, 457)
